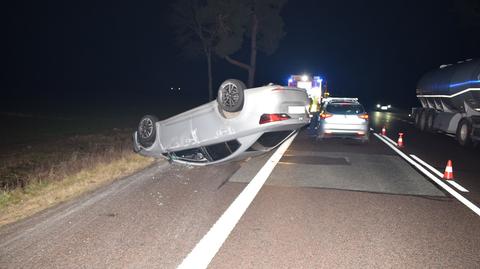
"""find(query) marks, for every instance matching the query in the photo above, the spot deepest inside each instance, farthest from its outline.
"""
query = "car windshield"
(344, 108)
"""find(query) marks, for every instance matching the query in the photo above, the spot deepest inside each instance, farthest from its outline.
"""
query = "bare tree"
(221, 27)
(259, 21)
(195, 29)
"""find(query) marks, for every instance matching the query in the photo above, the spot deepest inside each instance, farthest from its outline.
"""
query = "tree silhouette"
(221, 27)
(196, 31)
(258, 21)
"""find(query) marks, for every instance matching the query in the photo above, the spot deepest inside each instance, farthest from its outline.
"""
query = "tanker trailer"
(450, 98)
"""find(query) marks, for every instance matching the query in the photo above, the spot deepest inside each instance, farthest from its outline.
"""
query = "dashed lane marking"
(427, 165)
(456, 185)
(390, 140)
(439, 174)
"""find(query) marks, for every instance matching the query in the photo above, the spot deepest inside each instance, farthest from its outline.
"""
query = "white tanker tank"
(450, 98)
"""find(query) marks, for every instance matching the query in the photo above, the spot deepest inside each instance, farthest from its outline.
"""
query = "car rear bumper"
(359, 131)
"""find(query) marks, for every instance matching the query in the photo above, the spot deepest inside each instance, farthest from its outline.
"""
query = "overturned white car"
(240, 123)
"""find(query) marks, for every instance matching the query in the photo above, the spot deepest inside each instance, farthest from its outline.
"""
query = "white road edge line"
(439, 174)
(455, 194)
(206, 249)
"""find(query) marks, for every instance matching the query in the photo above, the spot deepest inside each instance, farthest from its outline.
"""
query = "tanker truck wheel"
(430, 117)
(464, 132)
(423, 120)
(417, 118)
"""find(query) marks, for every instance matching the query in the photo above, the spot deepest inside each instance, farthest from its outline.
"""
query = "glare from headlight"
(378, 105)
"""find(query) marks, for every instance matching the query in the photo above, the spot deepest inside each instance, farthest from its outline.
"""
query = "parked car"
(343, 117)
(240, 123)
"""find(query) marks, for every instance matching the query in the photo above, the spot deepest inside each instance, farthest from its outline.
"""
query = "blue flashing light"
(290, 80)
(463, 83)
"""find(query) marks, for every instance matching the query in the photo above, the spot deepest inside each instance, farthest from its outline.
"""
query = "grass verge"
(20, 203)
(35, 176)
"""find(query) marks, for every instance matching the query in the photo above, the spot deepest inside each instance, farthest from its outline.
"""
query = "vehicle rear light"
(325, 115)
(266, 118)
(363, 116)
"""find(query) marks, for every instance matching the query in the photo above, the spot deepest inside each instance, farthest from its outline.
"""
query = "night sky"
(118, 55)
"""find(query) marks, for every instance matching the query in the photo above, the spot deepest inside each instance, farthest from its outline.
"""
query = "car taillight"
(325, 115)
(363, 116)
(266, 118)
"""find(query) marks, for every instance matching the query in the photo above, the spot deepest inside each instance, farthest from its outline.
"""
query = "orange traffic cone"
(384, 131)
(448, 171)
(400, 140)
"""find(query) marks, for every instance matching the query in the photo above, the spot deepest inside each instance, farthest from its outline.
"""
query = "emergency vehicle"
(314, 87)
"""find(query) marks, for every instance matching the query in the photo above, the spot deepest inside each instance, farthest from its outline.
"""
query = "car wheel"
(464, 130)
(146, 131)
(230, 96)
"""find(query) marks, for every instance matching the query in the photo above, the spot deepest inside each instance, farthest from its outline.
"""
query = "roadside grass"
(23, 202)
(37, 175)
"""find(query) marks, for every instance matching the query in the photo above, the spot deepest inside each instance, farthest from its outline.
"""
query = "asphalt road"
(328, 204)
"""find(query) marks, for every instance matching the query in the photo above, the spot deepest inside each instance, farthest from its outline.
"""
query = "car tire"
(464, 133)
(146, 131)
(230, 96)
